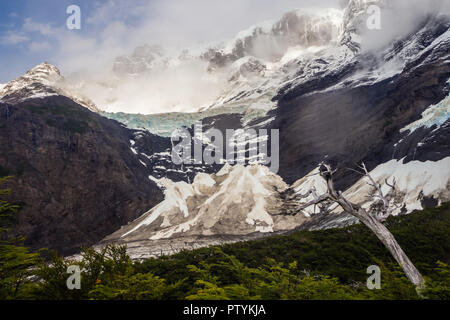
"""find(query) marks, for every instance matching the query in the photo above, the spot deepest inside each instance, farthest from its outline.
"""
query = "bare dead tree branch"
(316, 201)
(372, 219)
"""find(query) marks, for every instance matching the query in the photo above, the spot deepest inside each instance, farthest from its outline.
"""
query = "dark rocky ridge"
(74, 173)
(351, 125)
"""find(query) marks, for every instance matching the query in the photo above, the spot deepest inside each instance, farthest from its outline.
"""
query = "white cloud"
(40, 46)
(25, 34)
(32, 26)
(13, 38)
(116, 27)
(401, 18)
(121, 26)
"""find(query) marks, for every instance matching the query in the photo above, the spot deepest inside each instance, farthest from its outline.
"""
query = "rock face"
(355, 116)
(73, 172)
(269, 41)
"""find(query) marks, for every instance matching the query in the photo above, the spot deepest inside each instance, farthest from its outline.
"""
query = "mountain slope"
(44, 80)
(236, 203)
(73, 173)
(349, 122)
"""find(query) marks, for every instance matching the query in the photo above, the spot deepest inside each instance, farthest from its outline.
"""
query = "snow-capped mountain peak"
(42, 81)
(35, 83)
(44, 72)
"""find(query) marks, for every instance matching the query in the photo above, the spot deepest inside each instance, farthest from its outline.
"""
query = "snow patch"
(414, 180)
(235, 201)
(303, 186)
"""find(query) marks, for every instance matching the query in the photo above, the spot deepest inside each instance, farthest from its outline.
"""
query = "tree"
(439, 288)
(6, 209)
(15, 260)
(373, 217)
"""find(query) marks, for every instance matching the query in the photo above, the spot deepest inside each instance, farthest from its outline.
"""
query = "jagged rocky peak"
(270, 40)
(44, 70)
(143, 59)
(42, 81)
(299, 27)
(44, 73)
(310, 27)
(248, 67)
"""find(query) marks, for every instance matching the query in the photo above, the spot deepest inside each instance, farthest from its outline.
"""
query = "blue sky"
(31, 31)
(17, 52)
(35, 31)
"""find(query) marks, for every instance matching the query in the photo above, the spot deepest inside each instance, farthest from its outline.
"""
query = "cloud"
(13, 38)
(113, 28)
(112, 10)
(25, 34)
(399, 19)
(116, 27)
(183, 88)
(32, 26)
(119, 26)
(39, 46)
